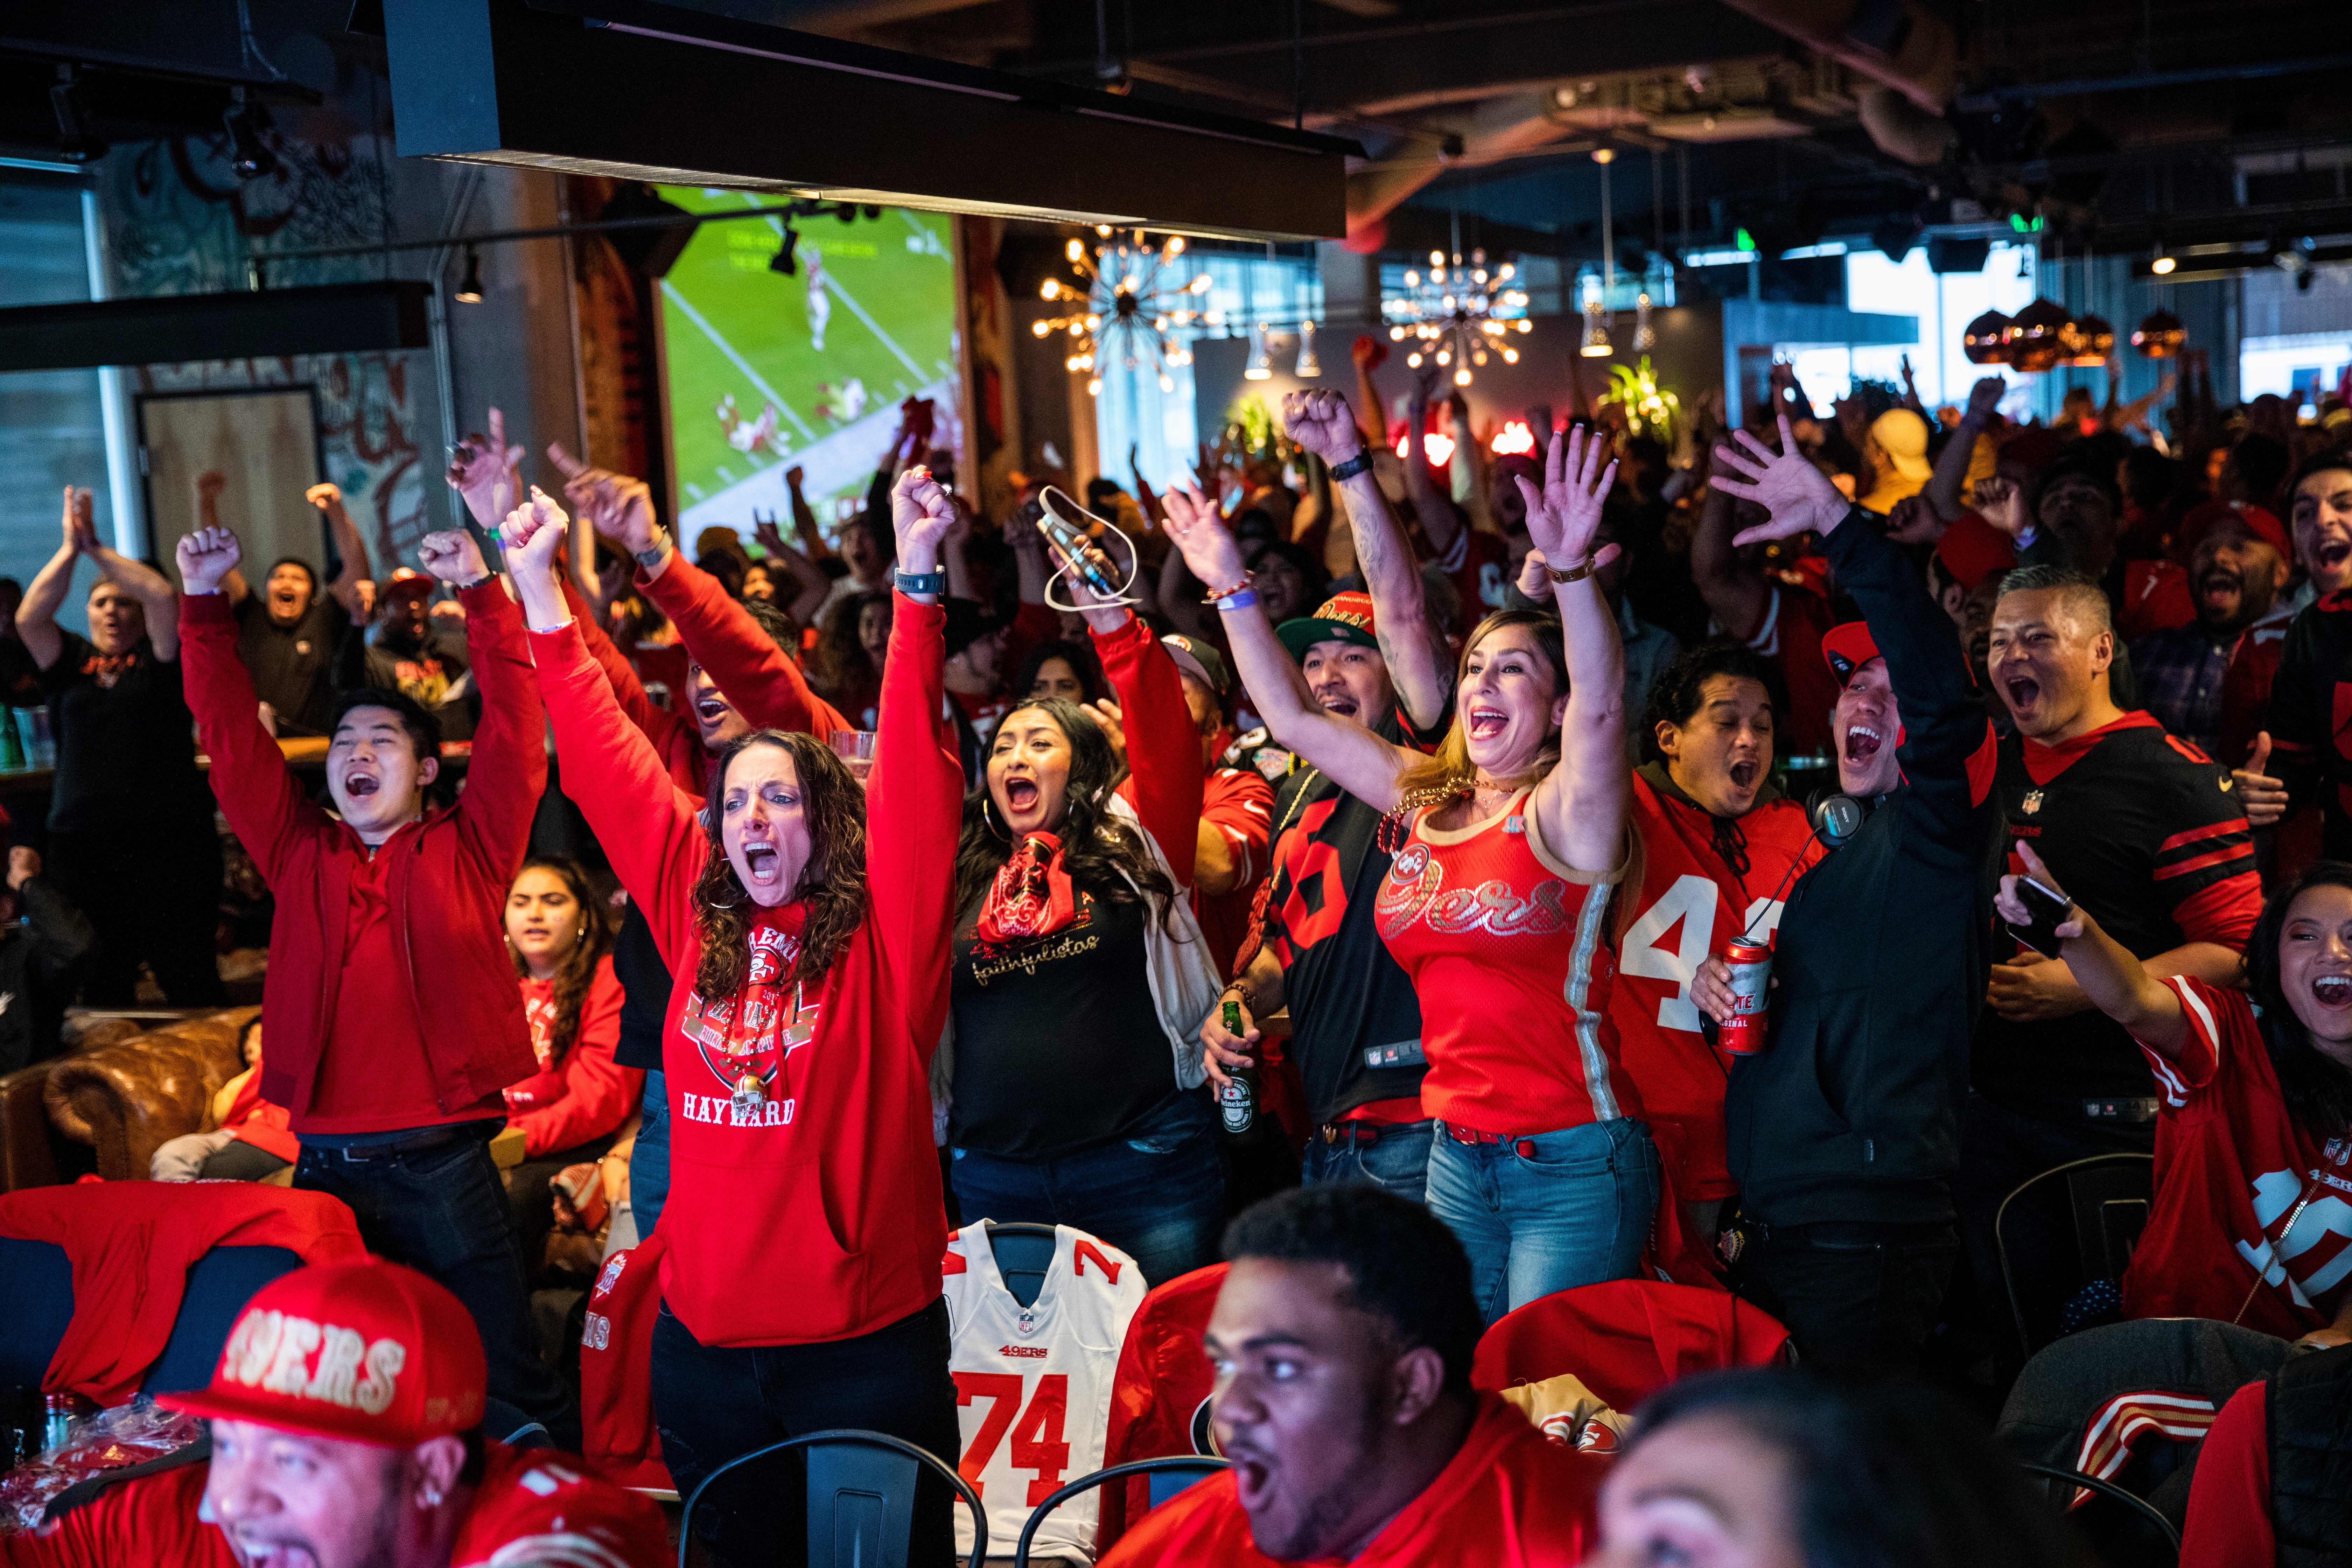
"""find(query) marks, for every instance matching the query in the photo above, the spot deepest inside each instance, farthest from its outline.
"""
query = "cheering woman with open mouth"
(1510, 844)
(805, 1223)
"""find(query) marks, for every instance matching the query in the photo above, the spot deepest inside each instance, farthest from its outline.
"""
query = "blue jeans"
(1548, 1212)
(442, 1211)
(1399, 1163)
(1159, 1196)
(649, 1156)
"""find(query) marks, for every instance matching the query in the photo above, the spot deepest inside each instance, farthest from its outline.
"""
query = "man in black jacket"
(45, 950)
(1844, 1132)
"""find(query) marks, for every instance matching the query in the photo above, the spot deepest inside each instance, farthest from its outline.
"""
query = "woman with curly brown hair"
(571, 1108)
(805, 1225)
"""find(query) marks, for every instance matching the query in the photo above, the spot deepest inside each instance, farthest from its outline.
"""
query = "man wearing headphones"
(1844, 1131)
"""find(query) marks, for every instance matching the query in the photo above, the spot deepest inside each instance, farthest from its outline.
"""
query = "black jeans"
(1857, 1297)
(154, 895)
(443, 1212)
(712, 1404)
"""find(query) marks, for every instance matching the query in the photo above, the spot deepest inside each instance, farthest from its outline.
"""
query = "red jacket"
(449, 873)
(131, 1245)
(616, 1393)
(821, 1218)
(1157, 1393)
(588, 1094)
(257, 1121)
(760, 679)
(1626, 1338)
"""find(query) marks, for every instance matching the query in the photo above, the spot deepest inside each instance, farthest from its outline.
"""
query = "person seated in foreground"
(244, 1137)
(1342, 1341)
(1767, 1467)
(346, 1418)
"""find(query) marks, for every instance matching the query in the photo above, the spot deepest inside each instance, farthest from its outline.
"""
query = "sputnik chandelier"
(1128, 299)
(1458, 315)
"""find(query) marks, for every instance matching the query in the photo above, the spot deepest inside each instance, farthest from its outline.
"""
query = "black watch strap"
(1352, 466)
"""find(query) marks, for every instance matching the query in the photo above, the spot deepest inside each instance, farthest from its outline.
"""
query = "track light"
(2162, 264)
(469, 288)
(1261, 364)
(1309, 367)
(77, 142)
(784, 260)
(245, 123)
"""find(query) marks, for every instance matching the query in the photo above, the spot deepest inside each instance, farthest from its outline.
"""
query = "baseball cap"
(407, 582)
(1198, 660)
(359, 1350)
(1344, 617)
(969, 620)
(1903, 436)
(1848, 647)
(1973, 550)
(2259, 521)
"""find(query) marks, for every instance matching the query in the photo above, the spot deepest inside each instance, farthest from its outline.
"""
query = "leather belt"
(1472, 1135)
(1351, 1132)
(431, 1138)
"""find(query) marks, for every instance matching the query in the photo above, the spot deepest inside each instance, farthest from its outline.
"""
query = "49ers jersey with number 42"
(1032, 1383)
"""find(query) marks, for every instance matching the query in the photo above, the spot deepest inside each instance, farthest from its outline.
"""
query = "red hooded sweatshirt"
(446, 874)
(818, 1216)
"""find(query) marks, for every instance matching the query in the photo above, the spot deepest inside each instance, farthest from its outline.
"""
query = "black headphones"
(1835, 816)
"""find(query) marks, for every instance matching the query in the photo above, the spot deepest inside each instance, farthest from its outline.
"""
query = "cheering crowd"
(1428, 889)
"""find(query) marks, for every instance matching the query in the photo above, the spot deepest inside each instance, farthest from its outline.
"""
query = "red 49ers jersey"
(1032, 1383)
(1692, 903)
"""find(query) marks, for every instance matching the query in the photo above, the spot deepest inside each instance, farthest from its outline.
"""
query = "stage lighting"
(784, 262)
(469, 288)
(244, 123)
(77, 142)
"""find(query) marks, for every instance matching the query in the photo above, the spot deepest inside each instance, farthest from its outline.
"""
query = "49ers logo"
(1415, 889)
(746, 1039)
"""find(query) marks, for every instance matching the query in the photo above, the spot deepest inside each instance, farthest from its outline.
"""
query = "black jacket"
(2310, 1437)
(43, 956)
(1853, 1110)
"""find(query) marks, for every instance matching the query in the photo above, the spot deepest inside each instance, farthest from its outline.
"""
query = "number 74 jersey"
(1033, 1384)
(1704, 881)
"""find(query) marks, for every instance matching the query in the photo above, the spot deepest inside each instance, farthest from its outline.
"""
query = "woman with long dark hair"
(1074, 1087)
(806, 924)
(2254, 1132)
(1509, 844)
(573, 1107)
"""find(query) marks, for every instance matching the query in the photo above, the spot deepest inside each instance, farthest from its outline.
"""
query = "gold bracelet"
(1576, 574)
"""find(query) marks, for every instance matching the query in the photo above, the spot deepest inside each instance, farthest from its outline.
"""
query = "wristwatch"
(649, 559)
(1352, 468)
(911, 583)
(1576, 574)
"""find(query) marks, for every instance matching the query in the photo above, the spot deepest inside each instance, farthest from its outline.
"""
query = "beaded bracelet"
(1218, 596)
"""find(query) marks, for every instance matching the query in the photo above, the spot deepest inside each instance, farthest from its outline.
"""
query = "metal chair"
(2110, 1196)
(1162, 1472)
(2130, 1500)
(871, 1514)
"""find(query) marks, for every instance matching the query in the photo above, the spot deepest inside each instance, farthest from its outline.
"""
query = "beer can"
(1742, 1035)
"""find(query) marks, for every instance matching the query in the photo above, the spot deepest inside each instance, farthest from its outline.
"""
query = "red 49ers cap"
(1848, 647)
(362, 1349)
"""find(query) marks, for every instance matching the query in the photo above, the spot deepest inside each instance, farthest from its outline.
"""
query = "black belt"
(1361, 1133)
(431, 1138)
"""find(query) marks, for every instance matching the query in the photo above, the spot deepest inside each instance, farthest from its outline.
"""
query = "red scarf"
(1031, 896)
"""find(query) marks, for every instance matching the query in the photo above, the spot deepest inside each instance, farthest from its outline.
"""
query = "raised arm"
(1415, 649)
(1948, 485)
(1584, 803)
(1367, 351)
(506, 771)
(1737, 594)
(259, 796)
(914, 798)
(1359, 761)
(350, 548)
(1163, 748)
(2117, 984)
(610, 770)
(1432, 505)
(36, 616)
(814, 587)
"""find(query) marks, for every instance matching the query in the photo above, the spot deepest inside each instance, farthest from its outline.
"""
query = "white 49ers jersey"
(1032, 1383)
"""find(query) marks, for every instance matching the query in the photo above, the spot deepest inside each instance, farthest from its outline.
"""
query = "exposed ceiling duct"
(513, 81)
(1910, 52)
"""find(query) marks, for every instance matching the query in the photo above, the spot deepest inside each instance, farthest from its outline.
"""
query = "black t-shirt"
(20, 678)
(2144, 832)
(1058, 1047)
(433, 672)
(646, 986)
(292, 667)
(126, 742)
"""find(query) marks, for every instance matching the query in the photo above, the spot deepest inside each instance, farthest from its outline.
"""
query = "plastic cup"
(854, 748)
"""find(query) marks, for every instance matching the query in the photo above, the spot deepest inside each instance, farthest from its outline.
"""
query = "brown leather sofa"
(118, 1094)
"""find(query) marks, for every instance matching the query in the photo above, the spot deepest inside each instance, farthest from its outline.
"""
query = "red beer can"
(1742, 1035)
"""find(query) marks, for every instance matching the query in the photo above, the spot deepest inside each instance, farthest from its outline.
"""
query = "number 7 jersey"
(1696, 896)
(1033, 1384)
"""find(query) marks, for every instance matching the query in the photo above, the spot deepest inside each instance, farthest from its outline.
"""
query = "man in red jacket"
(1342, 1340)
(346, 1418)
(389, 915)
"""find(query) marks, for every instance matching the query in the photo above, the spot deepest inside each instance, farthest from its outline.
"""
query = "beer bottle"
(12, 744)
(1237, 1104)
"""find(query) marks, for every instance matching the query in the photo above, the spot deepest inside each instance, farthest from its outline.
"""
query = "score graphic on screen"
(770, 371)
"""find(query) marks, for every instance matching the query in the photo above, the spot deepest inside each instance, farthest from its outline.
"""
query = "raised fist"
(533, 535)
(452, 556)
(326, 498)
(1320, 422)
(205, 557)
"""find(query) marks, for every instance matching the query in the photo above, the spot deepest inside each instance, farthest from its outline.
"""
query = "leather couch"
(116, 1097)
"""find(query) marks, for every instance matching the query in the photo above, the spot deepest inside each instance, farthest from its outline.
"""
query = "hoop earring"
(989, 821)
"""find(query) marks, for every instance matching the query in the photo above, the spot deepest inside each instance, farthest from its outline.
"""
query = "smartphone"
(2040, 932)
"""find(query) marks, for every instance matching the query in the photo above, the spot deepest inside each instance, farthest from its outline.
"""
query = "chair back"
(2139, 1505)
(2109, 1197)
(1024, 1251)
(1625, 1339)
(1169, 1476)
(861, 1496)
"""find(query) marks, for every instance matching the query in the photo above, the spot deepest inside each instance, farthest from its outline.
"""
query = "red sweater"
(449, 871)
(760, 679)
(586, 1095)
(131, 1245)
(823, 1219)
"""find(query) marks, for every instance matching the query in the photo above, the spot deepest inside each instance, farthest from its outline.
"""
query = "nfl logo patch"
(1028, 1323)
(2031, 802)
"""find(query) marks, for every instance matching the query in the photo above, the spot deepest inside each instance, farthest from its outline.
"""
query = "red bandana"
(1032, 895)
